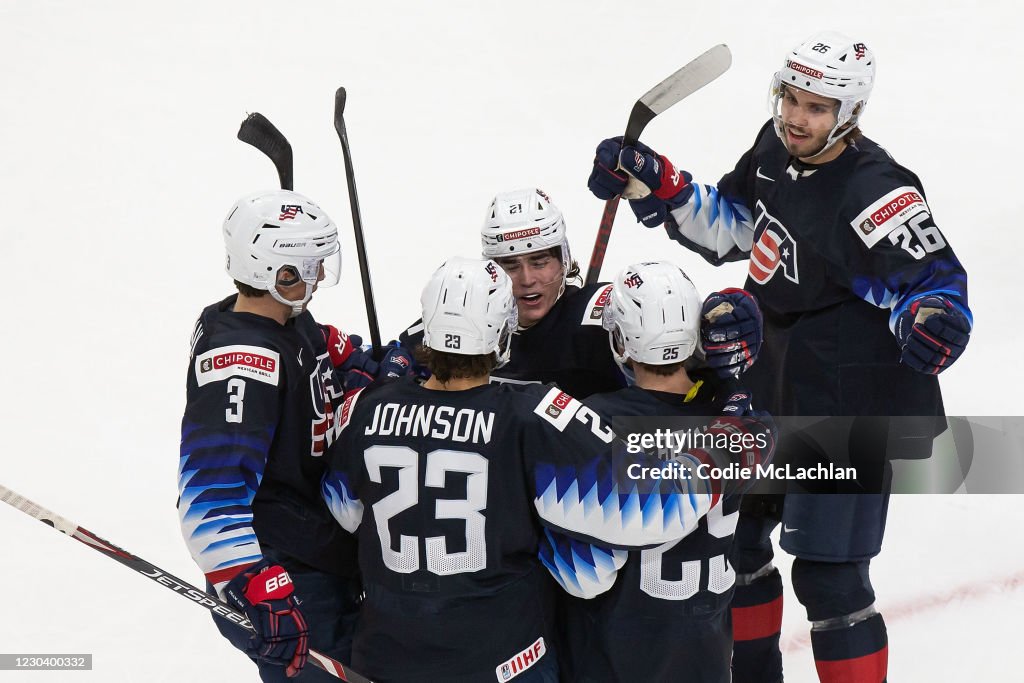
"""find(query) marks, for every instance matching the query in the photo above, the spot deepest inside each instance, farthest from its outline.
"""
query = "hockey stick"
(357, 221)
(682, 83)
(259, 132)
(196, 595)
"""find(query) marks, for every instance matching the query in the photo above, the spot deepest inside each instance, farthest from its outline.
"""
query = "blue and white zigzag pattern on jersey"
(218, 474)
(346, 508)
(943, 277)
(600, 503)
(582, 569)
(715, 222)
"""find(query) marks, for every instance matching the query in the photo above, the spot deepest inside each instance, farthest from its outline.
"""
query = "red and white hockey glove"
(339, 346)
(264, 592)
(357, 364)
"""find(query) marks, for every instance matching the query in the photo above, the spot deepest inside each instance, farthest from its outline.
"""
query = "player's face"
(807, 120)
(291, 286)
(536, 280)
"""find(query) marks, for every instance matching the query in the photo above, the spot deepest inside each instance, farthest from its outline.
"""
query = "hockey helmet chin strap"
(296, 306)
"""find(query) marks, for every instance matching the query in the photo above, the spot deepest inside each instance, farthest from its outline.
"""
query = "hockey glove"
(670, 187)
(362, 370)
(731, 331)
(264, 593)
(339, 346)
(751, 434)
(606, 180)
(932, 333)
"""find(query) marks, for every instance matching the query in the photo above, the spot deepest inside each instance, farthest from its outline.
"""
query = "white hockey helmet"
(266, 232)
(468, 308)
(521, 222)
(831, 65)
(653, 315)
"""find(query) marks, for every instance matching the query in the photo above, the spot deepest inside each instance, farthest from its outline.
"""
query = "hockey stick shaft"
(259, 132)
(684, 82)
(165, 579)
(340, 97)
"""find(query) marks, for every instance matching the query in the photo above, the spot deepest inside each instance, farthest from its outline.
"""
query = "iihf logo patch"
(289, 211)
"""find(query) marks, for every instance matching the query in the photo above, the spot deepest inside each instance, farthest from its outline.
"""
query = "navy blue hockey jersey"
(567, 347)
(836, 252)
(260, 411)
(663, 614)
(447, 492)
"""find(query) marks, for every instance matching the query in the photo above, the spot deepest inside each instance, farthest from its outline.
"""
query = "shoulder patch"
(250, 362)
(557, 407)
(594, 310)
(890, 211)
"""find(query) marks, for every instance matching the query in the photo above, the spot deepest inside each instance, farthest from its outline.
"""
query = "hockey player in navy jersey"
(262, 391)
(864, 303)
(680, 589)
(559, 337)
(447, 483)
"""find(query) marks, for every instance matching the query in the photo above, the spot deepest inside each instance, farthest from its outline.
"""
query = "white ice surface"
(117, 124)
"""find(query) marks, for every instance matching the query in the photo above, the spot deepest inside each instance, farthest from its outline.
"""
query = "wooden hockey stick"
(684, 82)
(150, 571)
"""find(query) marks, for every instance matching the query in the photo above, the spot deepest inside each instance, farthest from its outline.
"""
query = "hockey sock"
(852, 654)
(757, 626)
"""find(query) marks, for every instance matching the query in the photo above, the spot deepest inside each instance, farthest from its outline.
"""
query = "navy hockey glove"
(731, 331)
(932, 333)
(606, 180)
(751, 434)
(362, 370)
(264, 593)
(670, 187)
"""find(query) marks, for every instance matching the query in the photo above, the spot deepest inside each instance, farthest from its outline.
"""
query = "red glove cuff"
(339, 346)
(672, 181)
(273, 583)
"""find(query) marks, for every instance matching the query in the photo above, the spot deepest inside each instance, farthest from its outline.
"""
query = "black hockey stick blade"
(151, 571)
(259, 132)
(684, 82)
(340, 98)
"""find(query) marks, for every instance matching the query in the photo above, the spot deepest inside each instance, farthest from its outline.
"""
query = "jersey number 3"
(439, 463)
(236, 392)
